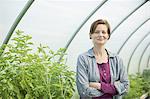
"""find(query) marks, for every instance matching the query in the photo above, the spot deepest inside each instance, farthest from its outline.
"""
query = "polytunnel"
(66, 24)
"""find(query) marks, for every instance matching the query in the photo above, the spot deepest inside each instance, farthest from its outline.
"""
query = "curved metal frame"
(131, 35)
(78, 29)
(135, 50)
(13, 27)
(128, 16)
(81, 25)
(148, 61)
(29, 3)
(139, 65)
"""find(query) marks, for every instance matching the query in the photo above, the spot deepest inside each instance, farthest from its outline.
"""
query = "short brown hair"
(100, 21)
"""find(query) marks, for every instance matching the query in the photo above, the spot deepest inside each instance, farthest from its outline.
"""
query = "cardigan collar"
(90, 53)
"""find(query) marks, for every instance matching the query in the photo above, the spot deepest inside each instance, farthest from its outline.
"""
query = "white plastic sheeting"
(53, 22)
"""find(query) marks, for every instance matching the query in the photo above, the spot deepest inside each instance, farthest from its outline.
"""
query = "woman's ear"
(90, 36)
(109, 37)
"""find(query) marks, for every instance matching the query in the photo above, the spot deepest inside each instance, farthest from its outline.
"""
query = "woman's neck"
(99, 50)
(100, 54)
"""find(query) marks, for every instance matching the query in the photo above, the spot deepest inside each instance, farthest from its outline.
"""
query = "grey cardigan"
(87, 71)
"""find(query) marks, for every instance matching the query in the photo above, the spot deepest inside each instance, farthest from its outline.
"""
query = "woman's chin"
(100, 43)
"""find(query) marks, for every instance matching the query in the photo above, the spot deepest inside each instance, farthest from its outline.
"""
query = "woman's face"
(100, 35)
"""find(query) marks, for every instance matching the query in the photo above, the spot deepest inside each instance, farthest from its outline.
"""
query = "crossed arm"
(94, 89)
(105, 88)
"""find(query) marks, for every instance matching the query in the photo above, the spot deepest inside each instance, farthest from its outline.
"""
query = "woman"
(100, 73)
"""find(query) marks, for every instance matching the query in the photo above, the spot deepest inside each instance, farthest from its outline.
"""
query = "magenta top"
(106, 87)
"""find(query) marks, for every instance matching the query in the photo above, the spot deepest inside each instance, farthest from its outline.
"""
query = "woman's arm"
(119, 87)
(122, 85)
(105, 88)
(82, 80)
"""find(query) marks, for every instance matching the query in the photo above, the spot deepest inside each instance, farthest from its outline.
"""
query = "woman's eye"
(97, 32)
(104, 32)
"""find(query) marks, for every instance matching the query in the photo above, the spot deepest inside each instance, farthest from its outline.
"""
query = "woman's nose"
(100, 33)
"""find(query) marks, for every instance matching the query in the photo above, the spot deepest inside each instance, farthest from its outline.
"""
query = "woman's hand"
(95, 85)
(117, 82)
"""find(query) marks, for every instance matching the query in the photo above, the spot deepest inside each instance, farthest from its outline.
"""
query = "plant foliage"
(28, 74)
(139, 85)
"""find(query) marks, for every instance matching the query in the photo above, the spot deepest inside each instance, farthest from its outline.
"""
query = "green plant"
(136, 87)
(146, 76)
(139, 85)
(28, 74)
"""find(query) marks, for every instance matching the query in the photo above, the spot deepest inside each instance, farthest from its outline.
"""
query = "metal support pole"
(148, 61)
(13, 27)
(135, 50)
(81, 25)
(128, 16)
(131, 35)
(87, 18)
(139, 65)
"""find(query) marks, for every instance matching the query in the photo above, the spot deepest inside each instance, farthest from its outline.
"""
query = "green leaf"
(28, 74)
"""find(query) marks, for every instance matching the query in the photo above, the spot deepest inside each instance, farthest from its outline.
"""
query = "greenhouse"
(41, 41)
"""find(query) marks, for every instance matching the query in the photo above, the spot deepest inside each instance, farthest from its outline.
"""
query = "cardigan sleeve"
(122, 85)
(82, 80)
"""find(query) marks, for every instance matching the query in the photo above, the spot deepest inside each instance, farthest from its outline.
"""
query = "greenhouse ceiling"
(66, 23)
